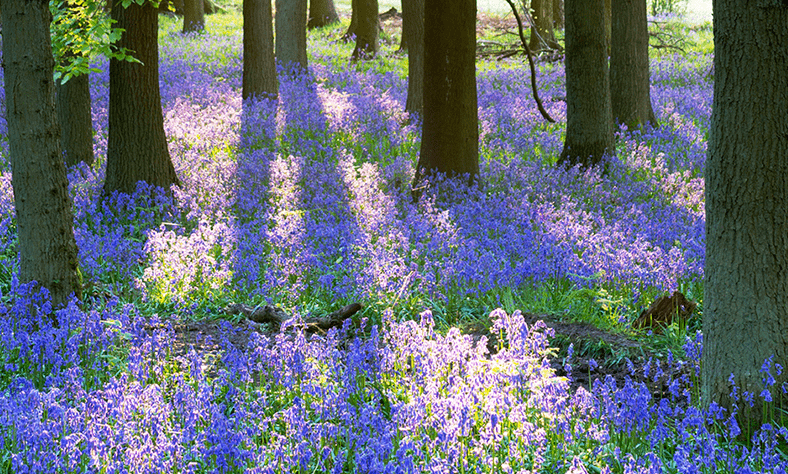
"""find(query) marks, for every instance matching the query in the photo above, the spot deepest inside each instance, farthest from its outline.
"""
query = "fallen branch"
(272, 314)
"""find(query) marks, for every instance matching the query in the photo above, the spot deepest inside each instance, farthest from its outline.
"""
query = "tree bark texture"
(589, 120)
(367, 33)
(47, 248)
(75, 119)
(630, 89)
(558, 14)
(193, 16)
(259, 70)
(291, 35)
(608, 25)
(350, 34)
(542, 36)
(413, 37)
(322, 13)
(137, 147)
(450, 133)
(745, 317)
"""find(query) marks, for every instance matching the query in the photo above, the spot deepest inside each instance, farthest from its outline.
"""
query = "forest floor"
(639, 364)
(601, 352)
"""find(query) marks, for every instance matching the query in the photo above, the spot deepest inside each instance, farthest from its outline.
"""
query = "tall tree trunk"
(630, 93)
(193, 16)
(608, 25)
(350, 34)
(413, 37)
(322, 13)
(558, 14)
(47, 248)
(450, 128)
(589, 120)
(259, 73)
(745, 316)
(137, 147)
(367, 33)
(76, 120)
(291, 35)
(542, 36)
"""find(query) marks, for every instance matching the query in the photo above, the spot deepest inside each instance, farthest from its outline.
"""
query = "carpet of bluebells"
(305, 202)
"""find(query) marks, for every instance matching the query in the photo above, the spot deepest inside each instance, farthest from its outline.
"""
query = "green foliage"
(82, 30)
(661, 7)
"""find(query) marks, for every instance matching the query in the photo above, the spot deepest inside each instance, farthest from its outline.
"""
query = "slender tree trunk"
(589, 120)
(630, 90)
(413, 35)
(75, 119)
(450, 128)
(745, 314)
(137, 147)
(322, 13)
(47, 248)
(367, 32)
(291, 34)
(193, 16)
(542, 13)
(259, 73)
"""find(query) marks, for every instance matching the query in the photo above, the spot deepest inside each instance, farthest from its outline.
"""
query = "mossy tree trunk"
(44, 220)
(745, 314)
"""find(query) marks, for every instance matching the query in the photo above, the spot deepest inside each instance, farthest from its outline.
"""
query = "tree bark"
(75, 119)
(558, 14)
(542, 13)
(350, 34)
(322, 13)
(450, 133)
(413, 37)
(745, 317)
(259, 70)
(630, 90)
(608, 25)
(367, 33)
(137, 146)
(589, 121)
(47, 248)
(291, 35)
(193, 16)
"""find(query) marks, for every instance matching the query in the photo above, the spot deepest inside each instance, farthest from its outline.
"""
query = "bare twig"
(531, 63)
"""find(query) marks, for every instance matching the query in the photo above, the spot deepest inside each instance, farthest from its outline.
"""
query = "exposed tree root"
(271, 314)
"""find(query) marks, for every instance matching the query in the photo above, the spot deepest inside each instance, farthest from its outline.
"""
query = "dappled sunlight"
(305, 203)
(291, 256)
(382, 241)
